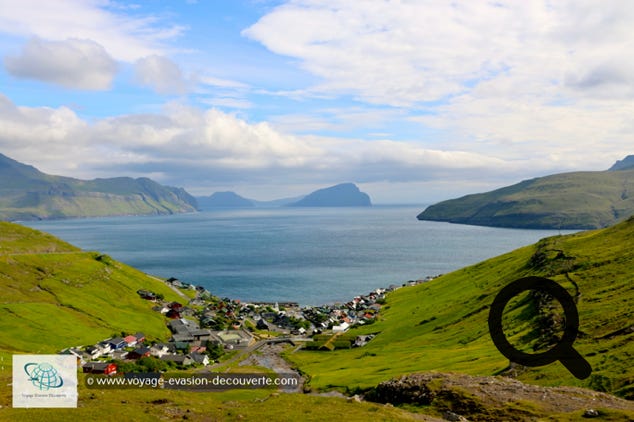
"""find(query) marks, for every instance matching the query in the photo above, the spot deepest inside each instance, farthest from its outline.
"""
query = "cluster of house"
(189, 341)
(339, 317)
(188, 333)
(131, 348)
(284, 315)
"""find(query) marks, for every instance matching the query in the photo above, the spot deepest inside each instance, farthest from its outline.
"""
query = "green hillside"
(580, 200)
(53, 295)
(61, 296)
(441, 325)
(27, 194)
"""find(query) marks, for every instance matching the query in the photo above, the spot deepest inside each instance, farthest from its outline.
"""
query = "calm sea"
(309, 255)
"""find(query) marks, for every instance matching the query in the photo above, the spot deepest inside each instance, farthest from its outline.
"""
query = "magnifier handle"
(576, 364)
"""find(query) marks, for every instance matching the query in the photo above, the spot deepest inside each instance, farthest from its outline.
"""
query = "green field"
(56, 296)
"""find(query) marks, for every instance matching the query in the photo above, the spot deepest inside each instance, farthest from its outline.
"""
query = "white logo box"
(44, 381)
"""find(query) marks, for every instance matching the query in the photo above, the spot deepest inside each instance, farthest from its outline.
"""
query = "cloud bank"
(202, 148)
(77, 64)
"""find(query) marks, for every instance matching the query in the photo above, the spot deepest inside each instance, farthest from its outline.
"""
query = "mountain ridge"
(624, 164)
(27, 194)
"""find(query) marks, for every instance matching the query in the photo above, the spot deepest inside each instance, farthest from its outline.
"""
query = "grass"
(63, 297)
(55, 296)
(152, 405)
(68, 297)
(442, 325)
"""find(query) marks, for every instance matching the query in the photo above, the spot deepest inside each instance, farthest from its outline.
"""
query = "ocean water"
(308, 255)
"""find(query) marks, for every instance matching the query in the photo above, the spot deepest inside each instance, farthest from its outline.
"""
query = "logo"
(43, 375)
(44, 381)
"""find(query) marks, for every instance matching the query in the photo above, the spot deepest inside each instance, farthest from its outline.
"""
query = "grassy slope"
(53, 295)
(456, 340)
(442, 325)
(62, 296)
(568, 200)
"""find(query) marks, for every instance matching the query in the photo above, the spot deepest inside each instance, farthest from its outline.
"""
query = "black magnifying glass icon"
(563, 350)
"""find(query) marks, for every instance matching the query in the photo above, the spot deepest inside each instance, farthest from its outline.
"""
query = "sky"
(415, 101)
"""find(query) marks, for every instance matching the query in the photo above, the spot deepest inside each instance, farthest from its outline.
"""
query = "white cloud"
(222, 83)
(402, 53)
(126, 38)
(73, 63)
(522, 81)
(160, 74)
(196, 148)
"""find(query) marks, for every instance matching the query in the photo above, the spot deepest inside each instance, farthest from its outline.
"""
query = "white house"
(343, 327)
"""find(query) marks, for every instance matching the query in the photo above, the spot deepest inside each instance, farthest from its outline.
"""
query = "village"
(208, 327)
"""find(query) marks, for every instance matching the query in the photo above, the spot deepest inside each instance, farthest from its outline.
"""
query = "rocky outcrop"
(491, 398)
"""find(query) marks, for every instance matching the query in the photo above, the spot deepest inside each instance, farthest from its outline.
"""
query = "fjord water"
(307, 255)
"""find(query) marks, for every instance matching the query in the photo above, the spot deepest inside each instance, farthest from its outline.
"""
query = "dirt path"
(269, 356)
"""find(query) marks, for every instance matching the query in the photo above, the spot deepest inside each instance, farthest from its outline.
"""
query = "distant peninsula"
(28, 194)
(577, 200)
(342, 195)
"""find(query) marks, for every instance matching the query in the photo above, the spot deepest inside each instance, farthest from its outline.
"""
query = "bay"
(307, 255)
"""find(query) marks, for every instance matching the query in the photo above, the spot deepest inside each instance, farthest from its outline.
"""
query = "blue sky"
(415, 101)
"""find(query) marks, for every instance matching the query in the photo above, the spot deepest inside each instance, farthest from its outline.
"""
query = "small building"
(173, 314)
(178, 359)
(119, 354)
(341, 328)
(198, 349)
(104, 347)
(94, 351)
(159, 350)
(182, 326)
(200, 358)
(117, 343)
(75, 351)
(175, 306)
(130, 340)
(181, 346)
(232, 339)
(147, 295)
(141, 352)
(201, 334)
(99, 368)
(182, 338)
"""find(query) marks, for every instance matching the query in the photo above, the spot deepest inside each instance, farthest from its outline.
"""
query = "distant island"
(341, 195)
(577, 200)
(224, 200)
(28, 194)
